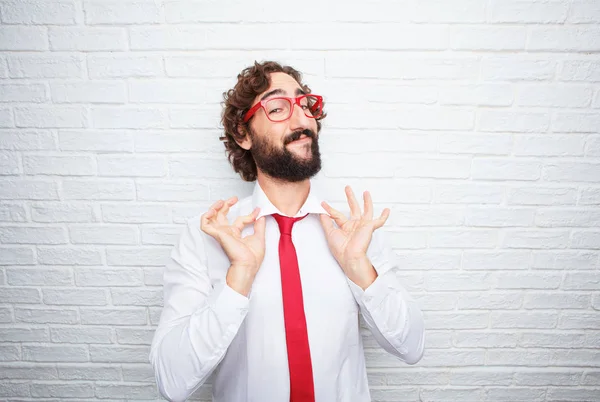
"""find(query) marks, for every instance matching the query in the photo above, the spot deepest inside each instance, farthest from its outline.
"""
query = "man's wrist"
(360, 271)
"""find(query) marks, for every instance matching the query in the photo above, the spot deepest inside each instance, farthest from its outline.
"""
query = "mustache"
(297, 134)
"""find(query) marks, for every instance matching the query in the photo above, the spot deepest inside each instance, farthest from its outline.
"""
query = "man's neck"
(287, 197)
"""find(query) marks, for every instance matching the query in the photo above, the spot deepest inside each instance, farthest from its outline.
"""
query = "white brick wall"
(476, 121)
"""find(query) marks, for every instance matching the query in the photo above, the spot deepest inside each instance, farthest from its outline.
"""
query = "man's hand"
(245, 254)
(350, 240)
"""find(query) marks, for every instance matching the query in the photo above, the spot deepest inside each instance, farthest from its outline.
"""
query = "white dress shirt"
(206, 327)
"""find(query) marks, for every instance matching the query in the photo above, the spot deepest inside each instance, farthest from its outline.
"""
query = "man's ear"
(246, 141)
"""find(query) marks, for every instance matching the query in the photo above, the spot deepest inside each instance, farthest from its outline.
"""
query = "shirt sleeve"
(197, 323)
(390, 313)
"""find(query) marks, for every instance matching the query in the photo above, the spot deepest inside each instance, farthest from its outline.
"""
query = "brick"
(589, 196)
(562, 260)
(515, 393)
(89, 92)
(124, 65)
(487, 38)
(556, 300)
(535, 239)
(87, 39)
(174, 190)
(50, 116)
(160, 235)
(135, 336)
(125, 391)
(135, 213)
(528, 195)
(6, 315)
(581, 281)
(16, 256)
(580, 70)
(194, 167)
(108, 277)
(24, 371)
(574, 357)
(141, 166)
(45, 276)
(441, 358)
(124, 354)
(177, 141)
(138, 373)
(408, 239)
(59, 165)
(55, 353)
(75, 297)
(460, 193)
(574, 96)
(137, 297)
(426, 216)
(12, 213)
(32, 65)
(128, 117)
(576, 122)
(69, 256)
(173, 38)
(524, 357)
(35, 12)
(567, 171)
(495, 260)
(153, 276)
(584, 11)
(46, 316)
(490, 301)
(591, 378)
(593, 146)
(23, 38)
(103, 234)
(121, 12)
(23, 334)
(551, 339)
(481, 377)
(154, 313)
(485, 339)
(34, 93)
(498, 217)
(549, 145)
(400, 394)
(572, 394)
(435, 11)
(168, 91)
(50, 212)
(28, 189)
(350, 65)
(567, 218)
(504, 169)
(567, 38)
(517, 68)
(81, 335)
(520, 11)
(522, 121)
(9, 163)
(483, 94)
(100, 189)
(579, 320)
(14, 389)
(155, 256)
(443, 281)
(10, 353)
(113, 316)
(20, 296)
(26, 140)
(95, 140)
(518, 319)
(463, 238)
(77, 390)
(96, 372)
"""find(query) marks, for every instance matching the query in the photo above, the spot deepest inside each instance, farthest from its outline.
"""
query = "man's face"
(286, 150)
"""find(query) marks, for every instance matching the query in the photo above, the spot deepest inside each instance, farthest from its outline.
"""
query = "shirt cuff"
(377, 291)
(228, 304)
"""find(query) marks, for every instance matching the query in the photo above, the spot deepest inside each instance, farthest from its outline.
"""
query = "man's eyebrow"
(280, 91)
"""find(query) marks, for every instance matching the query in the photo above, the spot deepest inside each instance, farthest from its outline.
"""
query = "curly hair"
(251, 82)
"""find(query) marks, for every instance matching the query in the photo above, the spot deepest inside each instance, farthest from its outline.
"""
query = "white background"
(476, 121)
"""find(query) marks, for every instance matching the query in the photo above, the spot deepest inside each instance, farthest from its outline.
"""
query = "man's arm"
(390, 313)
(197, 324)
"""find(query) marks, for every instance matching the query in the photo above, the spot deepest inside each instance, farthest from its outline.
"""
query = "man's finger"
(368, 205)
(226, 205)
(259, 227)
(379, 222)
(354, 207)
(326, 222)
(337, 216)
(242, 221)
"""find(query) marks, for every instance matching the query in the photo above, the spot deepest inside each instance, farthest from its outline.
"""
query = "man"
(265, 292)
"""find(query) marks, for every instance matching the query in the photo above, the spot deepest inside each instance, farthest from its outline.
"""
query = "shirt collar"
(312, 205)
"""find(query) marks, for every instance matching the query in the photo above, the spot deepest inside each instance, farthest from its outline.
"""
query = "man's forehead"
(282, 81)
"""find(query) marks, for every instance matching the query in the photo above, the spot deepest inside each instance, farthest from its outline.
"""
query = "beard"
(280, 163)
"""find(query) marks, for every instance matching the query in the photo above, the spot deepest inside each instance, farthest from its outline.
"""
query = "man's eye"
(277, 110)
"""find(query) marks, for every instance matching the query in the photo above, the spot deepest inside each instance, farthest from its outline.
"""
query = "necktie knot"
(286, 223)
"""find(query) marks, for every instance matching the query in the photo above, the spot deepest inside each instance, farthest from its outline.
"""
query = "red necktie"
(296, 335)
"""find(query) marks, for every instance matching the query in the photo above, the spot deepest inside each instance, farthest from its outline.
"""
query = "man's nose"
(298, 118)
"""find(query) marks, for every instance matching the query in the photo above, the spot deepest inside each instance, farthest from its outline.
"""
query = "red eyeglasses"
(281, 108)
